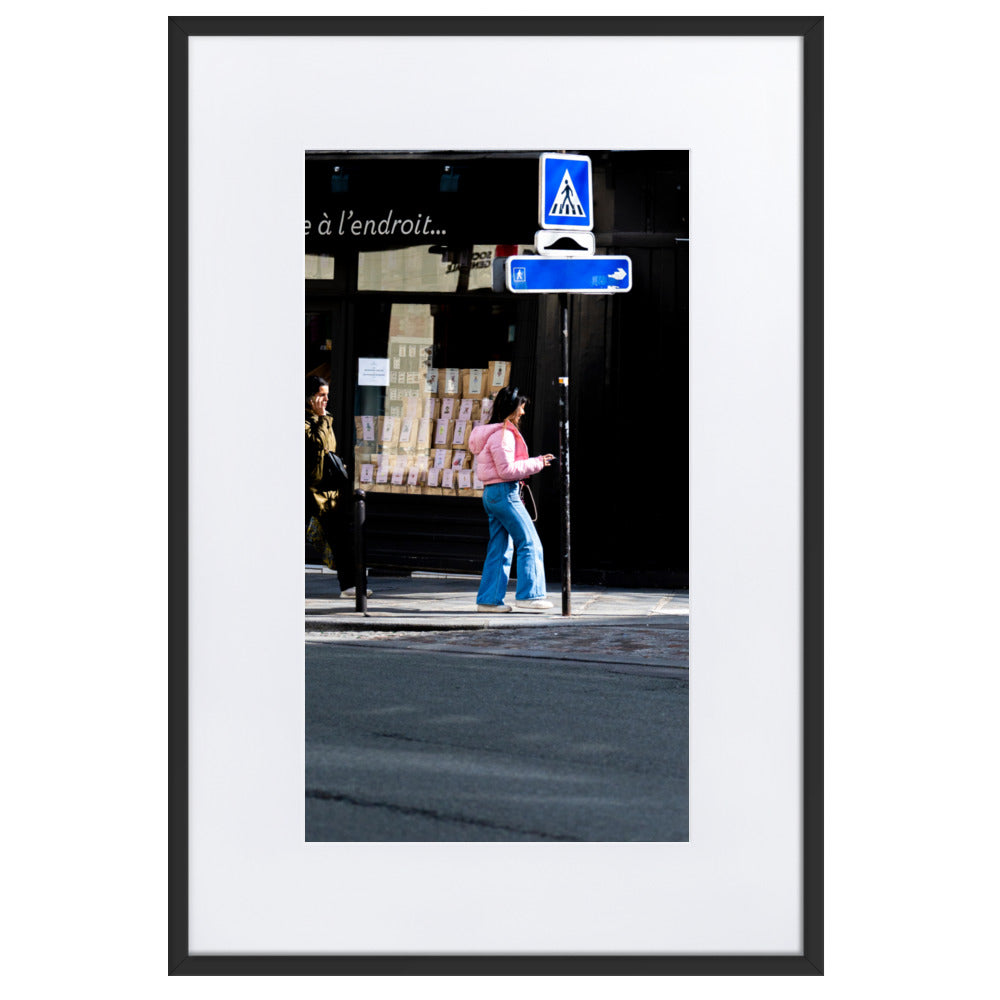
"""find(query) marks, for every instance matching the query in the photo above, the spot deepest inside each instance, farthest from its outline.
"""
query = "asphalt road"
(433, 745)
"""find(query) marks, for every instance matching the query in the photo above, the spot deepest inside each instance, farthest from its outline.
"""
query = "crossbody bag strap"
(526, 490)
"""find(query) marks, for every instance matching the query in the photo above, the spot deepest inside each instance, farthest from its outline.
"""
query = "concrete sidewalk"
(624, 627)
(443, 601)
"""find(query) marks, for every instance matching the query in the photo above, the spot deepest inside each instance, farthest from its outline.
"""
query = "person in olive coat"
(331, 507)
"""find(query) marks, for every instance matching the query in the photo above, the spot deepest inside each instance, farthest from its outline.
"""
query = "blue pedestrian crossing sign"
(582, 275)
(565, 192)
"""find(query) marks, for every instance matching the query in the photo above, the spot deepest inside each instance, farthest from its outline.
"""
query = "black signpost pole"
(565, 261)
(564, 454)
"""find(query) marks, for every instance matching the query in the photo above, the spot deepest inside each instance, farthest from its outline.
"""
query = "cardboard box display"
(449, 382)
(424, 433)
(407, 429)
(442, 433)
(474, 382)
(499, 375)
(389, 431)
(460, 434)
(364, 428)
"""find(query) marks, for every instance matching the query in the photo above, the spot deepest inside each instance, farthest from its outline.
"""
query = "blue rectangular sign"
(582, 275)
(565, 192)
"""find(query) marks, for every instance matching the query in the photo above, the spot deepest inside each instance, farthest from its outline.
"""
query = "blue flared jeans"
(510, 528)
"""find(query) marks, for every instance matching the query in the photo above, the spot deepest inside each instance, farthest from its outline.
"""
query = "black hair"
(507, 400)
(313, 384)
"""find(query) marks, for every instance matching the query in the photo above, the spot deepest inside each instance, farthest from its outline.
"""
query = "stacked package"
(421, 443)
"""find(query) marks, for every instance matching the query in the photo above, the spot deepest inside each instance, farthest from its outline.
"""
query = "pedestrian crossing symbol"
(565, 192)
(567, 201)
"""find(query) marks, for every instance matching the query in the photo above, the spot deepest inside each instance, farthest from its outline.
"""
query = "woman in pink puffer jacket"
(501, 465)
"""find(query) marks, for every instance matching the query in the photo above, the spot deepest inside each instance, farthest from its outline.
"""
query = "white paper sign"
(373, 371)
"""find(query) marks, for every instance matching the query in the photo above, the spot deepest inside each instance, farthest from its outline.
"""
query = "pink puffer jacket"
(503, 454)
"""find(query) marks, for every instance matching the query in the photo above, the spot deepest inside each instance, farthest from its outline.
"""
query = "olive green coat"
(319, 440)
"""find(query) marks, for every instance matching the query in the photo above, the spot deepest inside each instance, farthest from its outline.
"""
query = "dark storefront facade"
(399, 253)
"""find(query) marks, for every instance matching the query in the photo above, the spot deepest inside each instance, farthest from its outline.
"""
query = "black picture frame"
(810, 961)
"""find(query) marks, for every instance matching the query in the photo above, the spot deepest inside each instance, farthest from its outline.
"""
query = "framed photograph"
(691, 150)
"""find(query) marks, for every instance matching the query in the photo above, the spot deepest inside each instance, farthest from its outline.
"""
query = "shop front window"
(319, 267)
(439, 367)
(429, 268)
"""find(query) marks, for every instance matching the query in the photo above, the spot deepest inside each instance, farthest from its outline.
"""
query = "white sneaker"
(493, 608)
(536, 604)
(352, 592)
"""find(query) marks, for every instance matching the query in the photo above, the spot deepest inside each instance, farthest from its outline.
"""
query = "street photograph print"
(496, 496)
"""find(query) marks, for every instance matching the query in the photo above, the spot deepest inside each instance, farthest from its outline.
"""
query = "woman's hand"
(547, 459)
(318, 404)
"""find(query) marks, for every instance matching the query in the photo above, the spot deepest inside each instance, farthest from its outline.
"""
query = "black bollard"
(361, 573)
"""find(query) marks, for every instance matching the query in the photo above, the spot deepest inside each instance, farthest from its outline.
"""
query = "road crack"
(434, 814)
